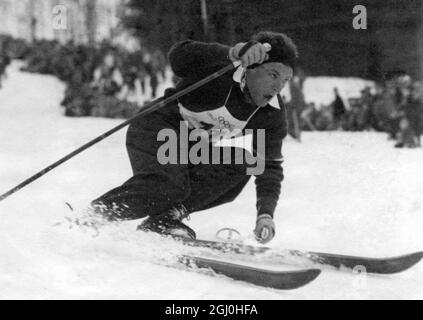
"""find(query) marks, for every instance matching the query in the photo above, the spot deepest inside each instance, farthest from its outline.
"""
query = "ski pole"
(148, 108)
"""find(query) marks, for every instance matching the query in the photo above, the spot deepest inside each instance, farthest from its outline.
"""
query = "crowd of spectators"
(394, 106)
(104, 81)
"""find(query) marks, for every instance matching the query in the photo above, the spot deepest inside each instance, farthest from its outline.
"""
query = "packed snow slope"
(350, 193)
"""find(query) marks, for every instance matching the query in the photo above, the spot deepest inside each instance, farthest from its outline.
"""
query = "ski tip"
(399, 264)
(312, 274)
(408, 261)
(282, 280)
(418, 256)
(389, 265)
(315, 272)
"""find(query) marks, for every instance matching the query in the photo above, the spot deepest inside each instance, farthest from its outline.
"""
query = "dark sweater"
(192, 61)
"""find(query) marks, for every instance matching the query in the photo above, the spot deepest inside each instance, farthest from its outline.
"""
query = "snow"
(350, 193)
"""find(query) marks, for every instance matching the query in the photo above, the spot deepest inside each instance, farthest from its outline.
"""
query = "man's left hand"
(265, 228)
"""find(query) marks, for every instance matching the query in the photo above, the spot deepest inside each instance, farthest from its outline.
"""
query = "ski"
(388, 265)
(282, 280)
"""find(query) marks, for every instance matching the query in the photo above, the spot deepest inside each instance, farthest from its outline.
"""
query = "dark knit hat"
(283, 48)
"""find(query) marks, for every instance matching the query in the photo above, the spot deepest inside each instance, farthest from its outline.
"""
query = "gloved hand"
(265, 228)
(249, 53)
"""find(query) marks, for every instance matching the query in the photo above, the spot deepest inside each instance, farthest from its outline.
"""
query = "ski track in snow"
(349, 193)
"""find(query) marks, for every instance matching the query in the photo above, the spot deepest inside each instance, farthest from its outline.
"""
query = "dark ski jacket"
(222, 100)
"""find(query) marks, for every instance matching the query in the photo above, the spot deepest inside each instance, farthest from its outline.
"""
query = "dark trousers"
(154, 188)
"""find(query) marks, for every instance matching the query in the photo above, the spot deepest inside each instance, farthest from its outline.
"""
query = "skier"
(246, 98)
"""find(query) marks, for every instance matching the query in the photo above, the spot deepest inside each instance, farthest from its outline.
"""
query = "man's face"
(267, 80)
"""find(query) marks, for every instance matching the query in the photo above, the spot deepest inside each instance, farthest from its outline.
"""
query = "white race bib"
(218, 123)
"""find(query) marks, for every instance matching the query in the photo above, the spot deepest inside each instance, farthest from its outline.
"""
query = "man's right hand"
(249, 53)
(265, 228)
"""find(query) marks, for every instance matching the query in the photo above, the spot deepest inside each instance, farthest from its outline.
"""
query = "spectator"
(154, 81)
(365, 116)
(295, 106)
(388, 110)
(4, 62)
(79, 101)
(296, 92)
(130, 81)
(324, 119)
(307, 117)
(137, 60)
(339, 109)
(158, 62)
(411, 110)
(359, 117)
(406, 137)
(107, 78)
(352, 118)
(142, 75)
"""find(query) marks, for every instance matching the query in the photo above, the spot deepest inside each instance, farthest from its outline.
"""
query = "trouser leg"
(214, 185)
(154, 188)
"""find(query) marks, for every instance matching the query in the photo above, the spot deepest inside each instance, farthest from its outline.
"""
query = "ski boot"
(169, 224)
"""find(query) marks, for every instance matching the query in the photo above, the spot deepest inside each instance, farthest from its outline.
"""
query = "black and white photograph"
(211, 150)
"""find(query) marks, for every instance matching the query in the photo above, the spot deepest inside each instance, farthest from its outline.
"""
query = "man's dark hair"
(283, 49)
